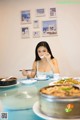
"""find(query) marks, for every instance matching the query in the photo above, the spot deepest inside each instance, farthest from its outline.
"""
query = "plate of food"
(8, 82)
(66, 81)
(10, 85)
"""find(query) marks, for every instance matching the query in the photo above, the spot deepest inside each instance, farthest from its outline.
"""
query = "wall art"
(49, 28)
(36, 34)
(52, 12)
(25, 16)
(40, 12)
(36, 24)
(25, 32)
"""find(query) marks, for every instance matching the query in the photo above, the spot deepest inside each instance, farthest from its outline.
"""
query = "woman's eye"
(39, 51)
(44, 50)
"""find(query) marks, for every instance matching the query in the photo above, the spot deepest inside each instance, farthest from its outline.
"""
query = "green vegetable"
(66, 89)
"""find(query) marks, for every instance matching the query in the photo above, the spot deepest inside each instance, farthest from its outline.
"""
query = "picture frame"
(25, 32)
(25, 16)
(36, 34)
(52, 12)
(40, 12)
(49, 28)
(36, 24)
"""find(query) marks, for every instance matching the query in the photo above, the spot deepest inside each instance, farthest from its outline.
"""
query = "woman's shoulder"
(35, 62)
(54, 60)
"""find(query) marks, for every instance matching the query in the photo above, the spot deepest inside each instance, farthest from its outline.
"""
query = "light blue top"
(48, 74)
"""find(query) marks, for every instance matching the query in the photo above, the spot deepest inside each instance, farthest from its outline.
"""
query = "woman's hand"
(26, 73)
(47, 56)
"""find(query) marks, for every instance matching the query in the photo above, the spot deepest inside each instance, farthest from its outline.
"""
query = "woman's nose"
(42, 54)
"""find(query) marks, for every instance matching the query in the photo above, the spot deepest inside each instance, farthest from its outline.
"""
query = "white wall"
(17, 53)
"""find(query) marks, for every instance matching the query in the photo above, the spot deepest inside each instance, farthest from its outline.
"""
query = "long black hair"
(44, 44)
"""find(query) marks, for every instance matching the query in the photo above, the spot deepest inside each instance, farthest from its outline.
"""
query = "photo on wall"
(49, 28)
(25, 17)
(40, 12)
(52, 12)
(36, 24)
(25, 32)
(36, 34)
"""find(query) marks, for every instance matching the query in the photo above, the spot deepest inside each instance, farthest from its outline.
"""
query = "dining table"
(18, 100)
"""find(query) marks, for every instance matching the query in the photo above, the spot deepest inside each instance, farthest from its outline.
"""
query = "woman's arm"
(34, 67)
(53, 63)
(30, 74)
(56, 68)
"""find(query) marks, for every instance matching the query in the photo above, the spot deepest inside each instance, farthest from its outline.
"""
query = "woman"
(44, 64)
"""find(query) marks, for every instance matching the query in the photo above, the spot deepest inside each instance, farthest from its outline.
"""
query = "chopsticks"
(28, 70)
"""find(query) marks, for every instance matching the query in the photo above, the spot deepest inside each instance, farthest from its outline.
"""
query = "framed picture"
(36, 24)
(25, 32)
(49, 28)
(36, 34)
(52, 12)
(40, 12)
(25, 17)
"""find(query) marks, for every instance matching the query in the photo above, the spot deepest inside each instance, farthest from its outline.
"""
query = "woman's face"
(42, 51)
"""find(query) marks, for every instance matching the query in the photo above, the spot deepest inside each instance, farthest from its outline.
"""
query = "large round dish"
(59, 107)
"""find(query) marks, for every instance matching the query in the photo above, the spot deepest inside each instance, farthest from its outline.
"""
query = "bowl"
(67, 107)
(41, 76)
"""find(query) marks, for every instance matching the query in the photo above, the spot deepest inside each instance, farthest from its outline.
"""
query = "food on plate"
(61, 90)
(67, 81)
(8, 81)
(60, 101)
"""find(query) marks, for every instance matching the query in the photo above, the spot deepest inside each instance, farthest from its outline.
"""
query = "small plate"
(28, 81)
(10, 85)
(47, 78)
(37, 111)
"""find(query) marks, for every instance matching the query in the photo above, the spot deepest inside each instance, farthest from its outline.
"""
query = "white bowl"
(41, 77)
